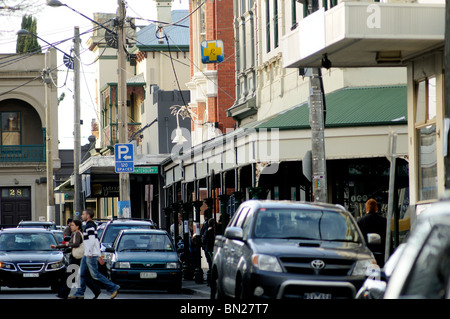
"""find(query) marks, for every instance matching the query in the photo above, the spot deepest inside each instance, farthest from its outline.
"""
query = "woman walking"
(75, 242)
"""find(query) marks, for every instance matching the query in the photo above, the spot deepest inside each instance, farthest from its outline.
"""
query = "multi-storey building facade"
(23, 152)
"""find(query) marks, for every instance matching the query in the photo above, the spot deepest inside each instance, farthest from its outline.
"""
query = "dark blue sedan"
(144, 258)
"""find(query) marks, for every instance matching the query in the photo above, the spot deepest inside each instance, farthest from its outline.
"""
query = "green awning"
(349, 107)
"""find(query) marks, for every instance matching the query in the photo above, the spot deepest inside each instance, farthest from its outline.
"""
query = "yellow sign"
(212, 51)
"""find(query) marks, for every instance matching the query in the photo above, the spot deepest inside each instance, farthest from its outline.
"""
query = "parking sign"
(123, 156)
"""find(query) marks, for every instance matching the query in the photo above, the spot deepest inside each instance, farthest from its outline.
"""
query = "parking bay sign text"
(124, 159)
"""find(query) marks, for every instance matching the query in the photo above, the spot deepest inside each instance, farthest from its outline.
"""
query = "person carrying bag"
(76, 242)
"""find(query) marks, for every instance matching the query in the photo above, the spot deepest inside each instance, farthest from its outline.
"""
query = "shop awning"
(359, 123)
(350, 107)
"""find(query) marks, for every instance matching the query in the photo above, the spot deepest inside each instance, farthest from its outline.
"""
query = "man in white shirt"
(89, 262)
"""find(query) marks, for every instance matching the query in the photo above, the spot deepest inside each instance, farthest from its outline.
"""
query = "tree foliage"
(28, 42)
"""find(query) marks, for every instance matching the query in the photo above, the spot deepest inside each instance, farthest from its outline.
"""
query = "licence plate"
(316, 295)
(148, 275)
(31, 275)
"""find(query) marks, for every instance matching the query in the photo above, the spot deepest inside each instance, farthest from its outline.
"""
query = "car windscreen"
(27, 241)
(145, 242)
(305, 224)
(112, 230)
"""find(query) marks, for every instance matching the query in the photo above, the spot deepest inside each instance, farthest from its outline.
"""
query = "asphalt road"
(46, 293)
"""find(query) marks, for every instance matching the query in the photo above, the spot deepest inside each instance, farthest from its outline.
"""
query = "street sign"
(146, 170)
(124, 159)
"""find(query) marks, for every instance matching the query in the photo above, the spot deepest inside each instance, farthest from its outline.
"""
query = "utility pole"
(122, 125)
(48, 138)
(317, 123)
(76, 129)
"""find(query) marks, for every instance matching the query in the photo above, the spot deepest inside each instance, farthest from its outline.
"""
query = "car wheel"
(175, 289)
(240, 289)
(54, 287)
(216, 291)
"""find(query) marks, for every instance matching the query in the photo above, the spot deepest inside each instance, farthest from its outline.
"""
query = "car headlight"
(173, 265)
(7, 266)
(122, 264)
(365, 267)
(55, 265)
(266, 263)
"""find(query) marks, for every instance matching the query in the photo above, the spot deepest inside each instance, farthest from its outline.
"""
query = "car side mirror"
(66, 239)
(109, 250)
(234, 233)
(373, 239)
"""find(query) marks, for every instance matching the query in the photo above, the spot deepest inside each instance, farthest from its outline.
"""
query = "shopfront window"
(425, 125)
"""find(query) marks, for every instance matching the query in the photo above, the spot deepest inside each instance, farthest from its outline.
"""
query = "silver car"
(423, 268)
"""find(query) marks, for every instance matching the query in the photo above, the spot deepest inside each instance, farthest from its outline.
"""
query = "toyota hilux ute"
(277, 249)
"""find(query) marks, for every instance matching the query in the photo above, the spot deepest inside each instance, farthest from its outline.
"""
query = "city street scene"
(225, 155)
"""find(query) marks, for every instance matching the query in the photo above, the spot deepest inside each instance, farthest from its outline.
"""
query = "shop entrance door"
(15, 205)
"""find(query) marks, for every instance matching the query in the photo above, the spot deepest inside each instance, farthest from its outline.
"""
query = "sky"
(57, 24)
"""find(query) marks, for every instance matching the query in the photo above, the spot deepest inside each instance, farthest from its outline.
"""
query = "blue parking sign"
(124, 159)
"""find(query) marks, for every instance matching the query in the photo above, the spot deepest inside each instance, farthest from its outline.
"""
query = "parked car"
(109, 231)
(26, 259)
(423, 269)
(34, 224)
(277, 249)
(59, 234)
(112, 228)
(144, 258)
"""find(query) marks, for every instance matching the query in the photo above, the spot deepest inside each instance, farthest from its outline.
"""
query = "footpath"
(198, 289)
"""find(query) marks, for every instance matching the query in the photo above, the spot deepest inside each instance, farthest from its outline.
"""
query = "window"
(202, 28)
(294, 13)
(11, 128)
(305, 224)
(240, 219)
(425, 126)
(275, 23)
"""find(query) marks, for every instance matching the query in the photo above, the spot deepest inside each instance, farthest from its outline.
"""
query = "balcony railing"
(22, 153)
(110, 134)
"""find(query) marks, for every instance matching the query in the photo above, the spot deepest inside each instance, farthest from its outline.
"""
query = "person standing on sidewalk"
(89, 263)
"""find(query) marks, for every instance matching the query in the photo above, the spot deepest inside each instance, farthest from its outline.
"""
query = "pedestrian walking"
(373, 222)
(89, 262)
(75, 242)
(68, 230)
(208, 239)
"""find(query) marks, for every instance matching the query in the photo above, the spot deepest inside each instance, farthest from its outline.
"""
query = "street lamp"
(179, 138)
(57, 3)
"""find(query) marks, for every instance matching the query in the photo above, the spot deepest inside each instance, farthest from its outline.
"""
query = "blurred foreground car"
(423, 269)
(375, 286)
(26, 259)
(146, 259)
